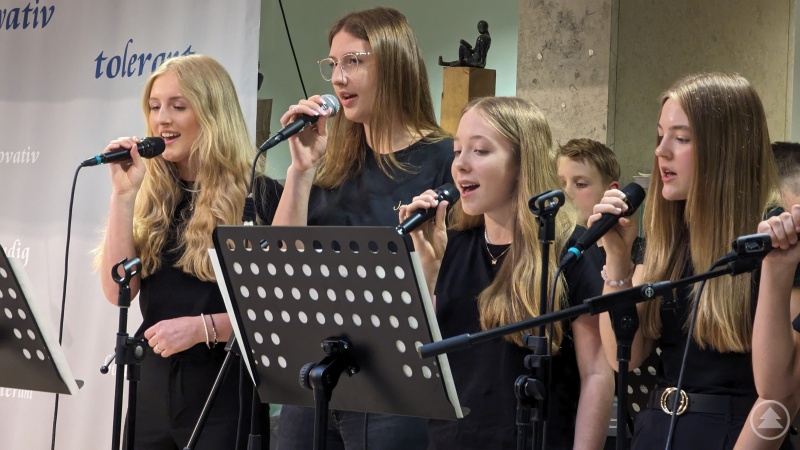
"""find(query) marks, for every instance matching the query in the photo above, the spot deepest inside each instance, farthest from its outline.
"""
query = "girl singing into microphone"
(714, 179)
(164, 210)
(357, 168)
(486, 272)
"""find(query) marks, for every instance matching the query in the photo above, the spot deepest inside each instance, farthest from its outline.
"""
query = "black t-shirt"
(372, 198)
(707, 371)
(169, 292)
(485, 373)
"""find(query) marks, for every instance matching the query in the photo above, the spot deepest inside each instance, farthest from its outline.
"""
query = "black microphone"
(148, 148)
(444, 192)
(634, 196)
(329, 102)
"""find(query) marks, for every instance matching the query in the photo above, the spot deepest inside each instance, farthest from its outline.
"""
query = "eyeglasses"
(348, 63)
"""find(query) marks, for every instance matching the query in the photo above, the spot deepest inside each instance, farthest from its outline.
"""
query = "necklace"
(494, 258)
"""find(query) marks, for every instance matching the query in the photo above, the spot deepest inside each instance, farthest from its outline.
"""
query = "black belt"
(663, 399)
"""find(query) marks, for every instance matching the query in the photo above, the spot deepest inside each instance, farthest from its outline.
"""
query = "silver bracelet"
(205, 327)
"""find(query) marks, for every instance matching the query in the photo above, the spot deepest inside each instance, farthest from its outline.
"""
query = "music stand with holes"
(299, 292)
(28, 343)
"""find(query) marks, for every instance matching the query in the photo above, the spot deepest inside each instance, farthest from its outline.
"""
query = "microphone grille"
(151, 146)
(448, 192)
(634, 196)
(330, 102)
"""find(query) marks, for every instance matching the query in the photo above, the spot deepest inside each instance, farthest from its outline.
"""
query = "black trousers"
(692, 431)
(347, 430)
(172, 392)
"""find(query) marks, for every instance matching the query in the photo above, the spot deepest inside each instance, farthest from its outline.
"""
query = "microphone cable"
(674, 418)
(249, 212)
(64, 295)
(695, 309)
(291, 45)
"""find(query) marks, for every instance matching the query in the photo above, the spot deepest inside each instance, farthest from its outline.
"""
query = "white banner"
(71, 77)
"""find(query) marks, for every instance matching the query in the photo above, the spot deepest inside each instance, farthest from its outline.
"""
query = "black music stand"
(296, 289)
(28, 342)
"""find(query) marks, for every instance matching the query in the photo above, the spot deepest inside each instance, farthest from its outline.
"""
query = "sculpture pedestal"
(459, 86)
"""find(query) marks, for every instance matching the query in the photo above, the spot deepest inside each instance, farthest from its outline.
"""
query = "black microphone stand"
(621, 300)
(254, 441)
(625, 322)
(129, 352)
(531, 391)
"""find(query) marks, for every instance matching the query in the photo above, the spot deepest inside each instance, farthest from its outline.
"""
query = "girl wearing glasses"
(376, 154)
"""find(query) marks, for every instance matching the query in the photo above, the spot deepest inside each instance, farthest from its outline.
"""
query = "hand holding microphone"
(426, 206)
(429, 245)
(127, 178)
(147, 148)
(306, 148)
(611, 211)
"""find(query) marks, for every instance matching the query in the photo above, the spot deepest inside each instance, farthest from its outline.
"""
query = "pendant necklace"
(494, 258)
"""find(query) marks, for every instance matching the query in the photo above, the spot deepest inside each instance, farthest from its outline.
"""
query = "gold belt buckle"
(683, 405)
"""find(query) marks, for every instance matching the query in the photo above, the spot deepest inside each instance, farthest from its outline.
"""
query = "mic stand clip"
(128, 352)
(531, 391)
(322, 378)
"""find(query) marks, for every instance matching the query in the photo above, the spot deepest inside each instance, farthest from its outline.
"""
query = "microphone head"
(331, 103)
(448, 192)
(151, 146)
(634, 196)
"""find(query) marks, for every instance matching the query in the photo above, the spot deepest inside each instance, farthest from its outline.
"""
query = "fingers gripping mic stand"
(128, 352)
(531, 390)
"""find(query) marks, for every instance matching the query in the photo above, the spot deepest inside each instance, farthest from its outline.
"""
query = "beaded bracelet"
(616, 283)
(205, 327)
(214, 329)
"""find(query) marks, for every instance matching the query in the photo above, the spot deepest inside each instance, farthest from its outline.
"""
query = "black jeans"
(171, 395)
(346, 430)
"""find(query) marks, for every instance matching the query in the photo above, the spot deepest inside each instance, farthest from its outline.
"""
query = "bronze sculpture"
(469, 56)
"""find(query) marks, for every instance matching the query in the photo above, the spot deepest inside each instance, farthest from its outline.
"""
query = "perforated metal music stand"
(295, 287)
(29, 350)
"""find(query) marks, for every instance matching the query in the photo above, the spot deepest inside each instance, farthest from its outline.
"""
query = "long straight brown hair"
(403, 94)
(735, 182)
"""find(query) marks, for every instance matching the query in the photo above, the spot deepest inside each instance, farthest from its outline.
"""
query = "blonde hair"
(402, 94)
(514, 294)
(223, 153)
(735, 182)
